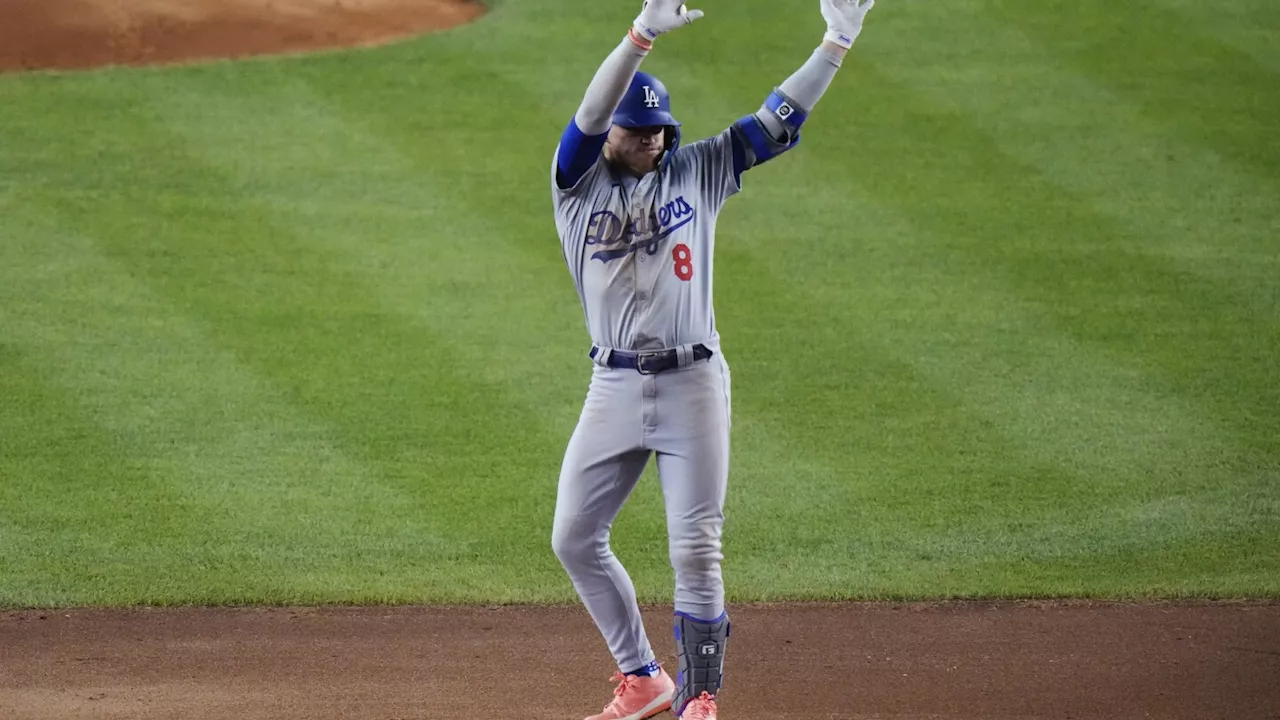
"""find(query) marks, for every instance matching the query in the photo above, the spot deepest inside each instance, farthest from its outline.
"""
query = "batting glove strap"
(642, 32)
(844, 19)
(842, 39)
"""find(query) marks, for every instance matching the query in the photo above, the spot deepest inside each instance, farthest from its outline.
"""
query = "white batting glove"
(660, 16)
(844, 19)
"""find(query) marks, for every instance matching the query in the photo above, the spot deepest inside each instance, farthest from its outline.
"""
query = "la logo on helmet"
(650, 97)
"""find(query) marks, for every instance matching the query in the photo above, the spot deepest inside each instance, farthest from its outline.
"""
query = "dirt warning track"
(78, 34)
(1172, 661)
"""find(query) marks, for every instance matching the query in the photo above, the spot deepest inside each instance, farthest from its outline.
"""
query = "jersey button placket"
(637, 200)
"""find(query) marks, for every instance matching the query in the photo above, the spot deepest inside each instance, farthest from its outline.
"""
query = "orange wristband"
(640, 42)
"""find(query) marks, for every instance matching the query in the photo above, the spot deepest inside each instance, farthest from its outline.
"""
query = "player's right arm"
(584, 136)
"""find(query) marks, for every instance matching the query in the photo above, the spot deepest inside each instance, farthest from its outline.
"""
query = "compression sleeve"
(807, 85)
(608, 86)
(803, 88)
(584, 136)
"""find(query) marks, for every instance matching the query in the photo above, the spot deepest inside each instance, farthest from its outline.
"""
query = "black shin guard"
(701, 644)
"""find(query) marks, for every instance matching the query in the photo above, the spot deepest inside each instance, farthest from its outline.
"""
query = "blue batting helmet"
(648, 104)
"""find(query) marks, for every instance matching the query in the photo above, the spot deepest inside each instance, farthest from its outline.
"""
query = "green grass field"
(1007, 323)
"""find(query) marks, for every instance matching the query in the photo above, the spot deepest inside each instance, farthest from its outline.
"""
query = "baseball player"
(636, 213)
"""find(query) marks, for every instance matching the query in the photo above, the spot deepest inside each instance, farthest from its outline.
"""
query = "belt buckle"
(640, 362)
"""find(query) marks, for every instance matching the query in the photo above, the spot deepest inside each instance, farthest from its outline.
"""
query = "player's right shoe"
(638, 697)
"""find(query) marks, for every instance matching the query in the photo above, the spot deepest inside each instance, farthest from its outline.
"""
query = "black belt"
(650, 363)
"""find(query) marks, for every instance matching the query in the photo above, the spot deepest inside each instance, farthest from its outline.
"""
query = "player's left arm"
(775, 127)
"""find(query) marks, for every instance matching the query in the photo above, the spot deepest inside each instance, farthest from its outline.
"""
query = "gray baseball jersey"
(640, 252)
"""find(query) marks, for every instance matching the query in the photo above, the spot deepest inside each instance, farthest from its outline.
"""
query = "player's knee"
(563, 544)
(574, 543)
(698, 556)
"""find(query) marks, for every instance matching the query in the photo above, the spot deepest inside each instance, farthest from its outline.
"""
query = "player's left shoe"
(702, 707)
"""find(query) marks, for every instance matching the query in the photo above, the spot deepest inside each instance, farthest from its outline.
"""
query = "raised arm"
(775, 127)
(585, 134)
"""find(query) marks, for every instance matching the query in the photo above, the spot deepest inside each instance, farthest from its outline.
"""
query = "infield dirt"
(783, 662)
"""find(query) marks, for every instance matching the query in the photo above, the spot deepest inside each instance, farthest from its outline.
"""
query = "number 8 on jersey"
(683, 261)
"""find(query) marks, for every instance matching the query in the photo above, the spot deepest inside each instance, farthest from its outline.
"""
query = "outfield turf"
(1007, 322)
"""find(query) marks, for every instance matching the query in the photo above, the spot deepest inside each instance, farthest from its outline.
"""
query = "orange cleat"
(638, 697)
(702, 707)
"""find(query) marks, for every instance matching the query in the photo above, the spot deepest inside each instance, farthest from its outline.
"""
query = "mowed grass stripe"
(208, 488)
(1013, 468)
(1248, 25)
(432, 243)
(1192, 84)
(69, 536)
(264, 299)
(1249, 449)
(81, 502)
(1027, 245)
(1190, 332)
(1182, 205)
(1202, 225)
(450, 271)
